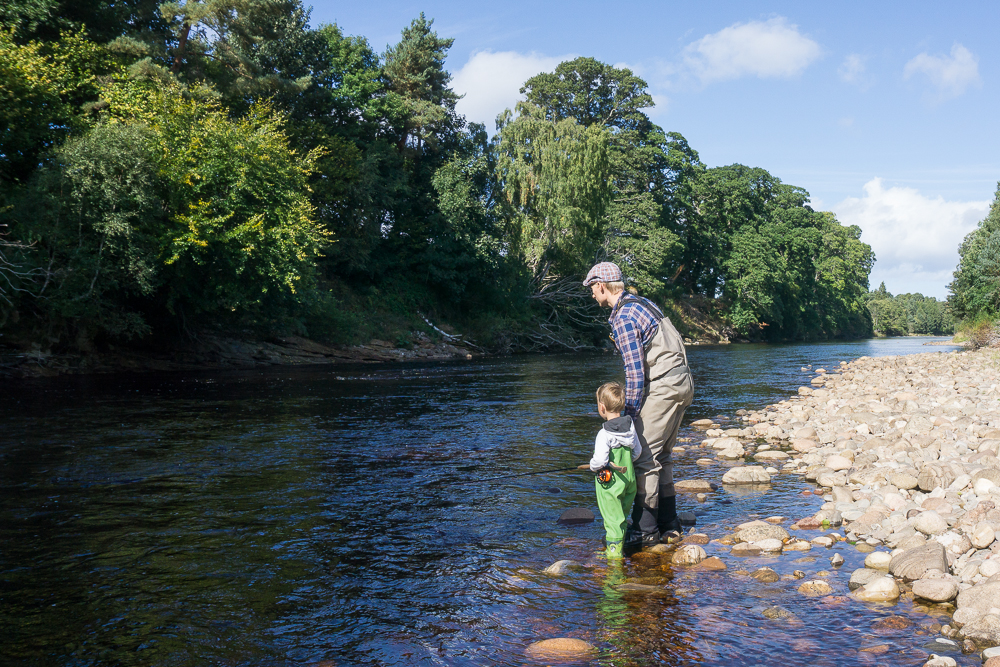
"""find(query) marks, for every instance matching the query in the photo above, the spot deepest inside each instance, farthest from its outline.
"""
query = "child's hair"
(612, 395)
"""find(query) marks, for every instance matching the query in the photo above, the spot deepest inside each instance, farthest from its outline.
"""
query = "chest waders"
(669, 391)
(614, 498)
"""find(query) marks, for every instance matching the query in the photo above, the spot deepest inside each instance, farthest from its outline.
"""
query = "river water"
(338, 516)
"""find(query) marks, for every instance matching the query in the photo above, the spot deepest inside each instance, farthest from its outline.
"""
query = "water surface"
(339, 516)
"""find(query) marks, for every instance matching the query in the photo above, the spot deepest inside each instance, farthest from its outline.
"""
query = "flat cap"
(605, 272)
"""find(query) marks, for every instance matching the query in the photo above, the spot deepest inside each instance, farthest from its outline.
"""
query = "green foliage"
(908, 314)
(415, 70)
(555, 176)
(596, 94)
(42, 89)
(186, 164)
(172, 205)
(975, 289)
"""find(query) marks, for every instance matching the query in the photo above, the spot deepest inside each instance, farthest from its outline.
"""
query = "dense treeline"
(974, 294)
(906, 314)
(975, 290)
(167, 168)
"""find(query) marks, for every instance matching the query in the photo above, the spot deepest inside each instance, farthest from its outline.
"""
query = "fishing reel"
(604, 475)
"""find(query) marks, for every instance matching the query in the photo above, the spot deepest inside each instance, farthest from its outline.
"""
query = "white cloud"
(766, 49)
(915, 238)
(952, 75)
(853, 70)
(491, 80)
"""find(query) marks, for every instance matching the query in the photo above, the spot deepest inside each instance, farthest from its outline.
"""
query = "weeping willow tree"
(555, 176)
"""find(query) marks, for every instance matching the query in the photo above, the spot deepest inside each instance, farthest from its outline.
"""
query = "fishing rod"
(585, 466)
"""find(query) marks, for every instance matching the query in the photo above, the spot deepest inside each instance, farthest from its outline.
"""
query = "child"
(617, 445)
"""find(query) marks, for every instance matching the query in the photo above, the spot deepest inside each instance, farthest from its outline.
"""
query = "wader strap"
(677, 370)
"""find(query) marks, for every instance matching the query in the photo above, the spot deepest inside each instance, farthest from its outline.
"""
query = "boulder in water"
(576, 515)
(562, 649)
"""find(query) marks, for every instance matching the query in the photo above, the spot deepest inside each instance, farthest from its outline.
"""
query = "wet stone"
(561, 649)
(562, 567)
(745, 550)
(862, 576)
(713, 564)
(776, 613)
(891, 624)
(815, 588)
(576, 516)
(766, 575)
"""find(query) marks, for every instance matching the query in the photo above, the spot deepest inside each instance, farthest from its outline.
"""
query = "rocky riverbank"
(905, 452)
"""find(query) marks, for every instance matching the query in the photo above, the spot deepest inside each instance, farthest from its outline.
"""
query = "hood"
(621, 429)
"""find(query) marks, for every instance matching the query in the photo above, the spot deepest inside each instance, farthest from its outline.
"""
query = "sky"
(884, 111)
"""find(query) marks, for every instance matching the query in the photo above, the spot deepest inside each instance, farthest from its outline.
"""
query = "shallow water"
(338, 516)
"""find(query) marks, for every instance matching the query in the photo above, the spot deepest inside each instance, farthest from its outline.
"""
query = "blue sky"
(884, 111)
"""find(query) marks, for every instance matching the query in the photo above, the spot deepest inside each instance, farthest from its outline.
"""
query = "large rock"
(837, 463)
(727, 443)
(562, 649)
(902, 480)
(934, 475)
(880, 589)
(878, 560)
(561, 567)
(803, 445)
(746, 475)
(771, 455)
(980, 599)
(689, 554)
(913, 564)
(694, 486)
(815, 588)
(862, 576)
(755, 531)
(982, 535)
(984, 630)
(929, 523)
(935, 590)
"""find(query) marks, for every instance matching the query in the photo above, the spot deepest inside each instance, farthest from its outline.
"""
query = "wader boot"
(669, 390)
(667, 516)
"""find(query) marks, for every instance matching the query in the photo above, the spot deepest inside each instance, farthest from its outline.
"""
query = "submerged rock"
(561, 567)
(688, 554)
(880, 589)
(862, 576)
(746, 475)
(755, 531)
(562, 649)
(815, 588)
(576, 515)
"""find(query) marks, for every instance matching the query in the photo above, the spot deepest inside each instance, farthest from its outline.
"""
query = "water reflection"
(310, 516)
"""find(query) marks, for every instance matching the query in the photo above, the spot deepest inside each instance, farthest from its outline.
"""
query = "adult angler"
(658, 389)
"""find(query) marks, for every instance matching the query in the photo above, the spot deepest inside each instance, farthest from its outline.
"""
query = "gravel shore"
(906, 449)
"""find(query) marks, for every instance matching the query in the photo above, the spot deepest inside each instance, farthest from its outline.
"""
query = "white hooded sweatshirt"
(617, 432)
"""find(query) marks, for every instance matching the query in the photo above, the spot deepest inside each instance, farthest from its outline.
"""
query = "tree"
(555, 175)
(975, 289)
(43, 87)
(594, 93)
(171, 207)
(415, 69)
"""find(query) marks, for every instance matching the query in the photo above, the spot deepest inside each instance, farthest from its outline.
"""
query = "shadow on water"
(325, 516)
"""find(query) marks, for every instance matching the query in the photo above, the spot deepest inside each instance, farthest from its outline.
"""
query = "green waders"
(615, 498)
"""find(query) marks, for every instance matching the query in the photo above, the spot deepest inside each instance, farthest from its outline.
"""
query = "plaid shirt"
(634, 322)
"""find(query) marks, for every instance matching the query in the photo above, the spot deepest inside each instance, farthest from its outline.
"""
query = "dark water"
(335, 516)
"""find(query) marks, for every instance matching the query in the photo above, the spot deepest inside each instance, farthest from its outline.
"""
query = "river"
(335, 516)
